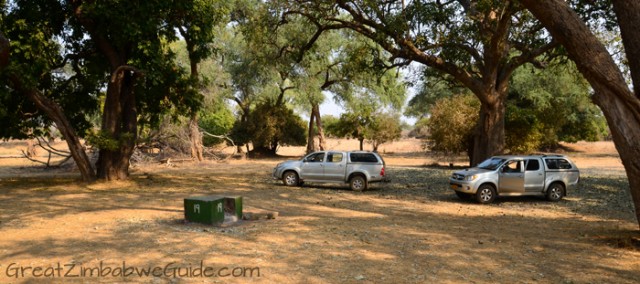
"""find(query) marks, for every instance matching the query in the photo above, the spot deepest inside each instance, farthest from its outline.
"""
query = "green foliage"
(543, 108)
(38, 61)
(215, 117)
(54, 50)
(217, 121)
(356, 122)
(330, 124)
(452, 123)
(524, 132)
(197, 21)
(384, 128)
(365, 74)
(475, 44)
(548, 106)
(365, 122)
(269, 126)
(282, 61)
(102, 140)
(431, 89)
(350, 125)
(251, 78)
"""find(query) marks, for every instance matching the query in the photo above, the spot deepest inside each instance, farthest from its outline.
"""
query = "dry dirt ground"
(412, 230)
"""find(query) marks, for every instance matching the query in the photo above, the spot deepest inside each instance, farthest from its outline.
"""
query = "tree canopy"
(107, 55)
(477, 44)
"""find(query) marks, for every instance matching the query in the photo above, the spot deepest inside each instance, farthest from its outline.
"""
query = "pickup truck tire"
(290, 178)
(358, 183)
(555, 192)
(486, 194)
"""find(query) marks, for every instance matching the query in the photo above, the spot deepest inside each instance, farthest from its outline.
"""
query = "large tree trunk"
(194, 132)
(489, 135)
(322, 143)
(628, 13)
(119, 123)
(619, 104)
(55, 113)
(375, 145)
(119, 118)
(311, 146)
(196, 138)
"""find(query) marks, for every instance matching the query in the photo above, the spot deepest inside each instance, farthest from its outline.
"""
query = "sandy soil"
(412, 230)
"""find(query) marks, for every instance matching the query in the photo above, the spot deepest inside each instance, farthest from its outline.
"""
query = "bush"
(383, 129)
(452, 123)
(268, 126)
(217, 122)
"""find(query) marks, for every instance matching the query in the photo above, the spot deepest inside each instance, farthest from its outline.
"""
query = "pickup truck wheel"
(486, 194)
(358, 183)
(290, 178)
(463, 196)
(555, 192)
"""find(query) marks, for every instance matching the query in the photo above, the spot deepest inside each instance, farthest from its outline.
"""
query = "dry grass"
(413, 230)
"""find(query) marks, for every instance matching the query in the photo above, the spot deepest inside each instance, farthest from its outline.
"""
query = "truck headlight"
(470, 178)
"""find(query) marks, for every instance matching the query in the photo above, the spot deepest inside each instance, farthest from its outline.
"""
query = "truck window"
(533, 165)
(558, 164)
(315, 158)
(512, 167)
(363, 158)
(334, 157)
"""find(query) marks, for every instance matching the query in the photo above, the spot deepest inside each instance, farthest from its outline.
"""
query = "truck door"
(512, 177)
(533, 176)
(313, 166)
(334, 166)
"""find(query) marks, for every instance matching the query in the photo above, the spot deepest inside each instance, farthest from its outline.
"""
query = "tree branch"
(123, 68)
(527, 56)
(47, 147)
(320, 29)
(404, 47)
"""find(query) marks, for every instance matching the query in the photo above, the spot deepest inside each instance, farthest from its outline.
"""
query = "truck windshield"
(491, 163)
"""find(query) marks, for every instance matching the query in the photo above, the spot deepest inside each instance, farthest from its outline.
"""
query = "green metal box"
(213, 210)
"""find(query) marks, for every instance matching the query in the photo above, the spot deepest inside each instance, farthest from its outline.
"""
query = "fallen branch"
(217, 136)
(51, 150)
(48, 162)
(233, 144)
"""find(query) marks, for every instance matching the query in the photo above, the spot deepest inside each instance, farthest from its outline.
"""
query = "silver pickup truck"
(542, 175)
(356, 168)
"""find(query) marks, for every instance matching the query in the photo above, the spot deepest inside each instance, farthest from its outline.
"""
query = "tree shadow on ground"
(403, 231)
